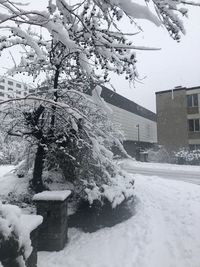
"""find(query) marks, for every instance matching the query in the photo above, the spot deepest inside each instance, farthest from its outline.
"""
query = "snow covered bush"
(185, 156)
(15, 244)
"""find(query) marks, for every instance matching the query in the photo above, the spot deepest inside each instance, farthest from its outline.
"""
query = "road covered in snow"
(185, 173)
(163, 232)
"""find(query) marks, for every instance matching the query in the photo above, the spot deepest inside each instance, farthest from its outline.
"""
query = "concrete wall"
(172, 119)
(128, 122)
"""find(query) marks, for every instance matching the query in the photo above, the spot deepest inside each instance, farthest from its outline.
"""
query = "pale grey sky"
(175, 64)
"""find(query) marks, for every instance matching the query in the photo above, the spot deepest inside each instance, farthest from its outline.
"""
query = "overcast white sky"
(175, 64)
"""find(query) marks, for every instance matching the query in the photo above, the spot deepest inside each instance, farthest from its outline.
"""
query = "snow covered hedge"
(15, 243)
(188, 157)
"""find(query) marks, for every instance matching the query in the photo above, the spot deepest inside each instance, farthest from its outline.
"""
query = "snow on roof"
(52, 195)
(30, 222)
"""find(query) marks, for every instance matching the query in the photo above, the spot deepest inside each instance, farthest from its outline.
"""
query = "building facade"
(10, 88)
(138, 123)
(178, 118)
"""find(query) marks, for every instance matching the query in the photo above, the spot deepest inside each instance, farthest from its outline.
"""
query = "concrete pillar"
(52, 206)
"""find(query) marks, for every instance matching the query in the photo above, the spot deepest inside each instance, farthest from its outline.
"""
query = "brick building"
(178, 118)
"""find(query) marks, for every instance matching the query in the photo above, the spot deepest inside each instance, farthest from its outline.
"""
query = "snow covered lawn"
(164, 231)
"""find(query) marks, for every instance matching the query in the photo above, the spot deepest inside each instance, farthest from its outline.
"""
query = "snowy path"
(164, 232)
(185, 173)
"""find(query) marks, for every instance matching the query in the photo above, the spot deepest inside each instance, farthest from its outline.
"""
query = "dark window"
(193, 125)
(2, 80)
(1, 94)
(195, 100)
(18, 92)
(196, 125)
(10, 83)
(10, 89)
(192, 100)
(189, 100)
(18, 85)
(31, 91)
(2, 87)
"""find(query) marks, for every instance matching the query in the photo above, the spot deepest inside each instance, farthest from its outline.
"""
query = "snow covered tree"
(77, 45)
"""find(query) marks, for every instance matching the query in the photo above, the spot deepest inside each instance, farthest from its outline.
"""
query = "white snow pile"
(11, 226)
(9, 182)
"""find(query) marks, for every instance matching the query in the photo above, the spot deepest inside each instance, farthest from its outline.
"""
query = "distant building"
(178, 118)
(10, 88)
(138, 123)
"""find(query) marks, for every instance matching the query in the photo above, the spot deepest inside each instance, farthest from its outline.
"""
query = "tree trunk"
(36, 183)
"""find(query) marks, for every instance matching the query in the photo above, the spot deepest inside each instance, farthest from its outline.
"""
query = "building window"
(2, 87)
(10, 83)
(1, 94)
(18, 85)
(192, 100)
(10, 89)
(18, 92)
(2, 80)
(193, 125)
(32, 91)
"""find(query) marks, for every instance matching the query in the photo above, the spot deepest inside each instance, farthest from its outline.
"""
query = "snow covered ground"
(164, 231)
